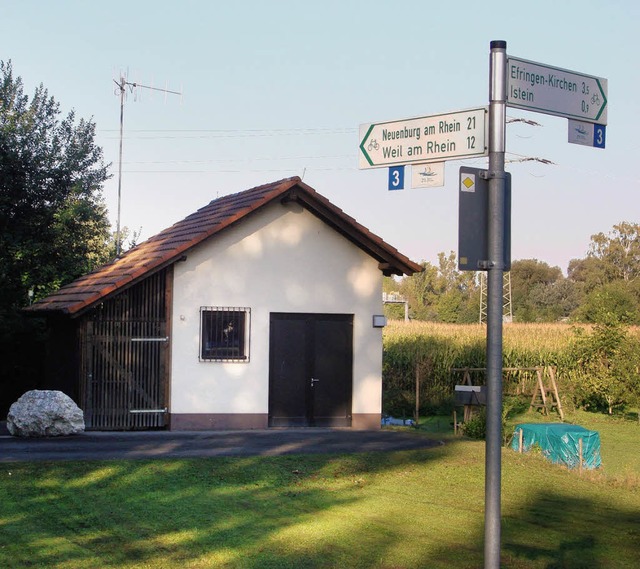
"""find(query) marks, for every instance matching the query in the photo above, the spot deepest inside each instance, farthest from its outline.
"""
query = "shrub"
(476, 426)
(607, 367)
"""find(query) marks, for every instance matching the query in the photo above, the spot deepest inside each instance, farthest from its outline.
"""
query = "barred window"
(224, 333)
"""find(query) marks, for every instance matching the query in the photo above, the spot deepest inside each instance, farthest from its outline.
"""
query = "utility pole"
(121, 89)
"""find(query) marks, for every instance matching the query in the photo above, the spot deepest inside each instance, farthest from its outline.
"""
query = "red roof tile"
(170, 245)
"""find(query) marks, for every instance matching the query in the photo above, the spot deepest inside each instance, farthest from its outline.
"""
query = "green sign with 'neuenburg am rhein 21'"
(461, 134)
(555, 91)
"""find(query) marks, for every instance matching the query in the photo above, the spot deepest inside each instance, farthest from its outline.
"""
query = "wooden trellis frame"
(545, 394)
(546, 397)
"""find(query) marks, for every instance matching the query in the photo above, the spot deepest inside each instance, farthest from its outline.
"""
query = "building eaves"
(171, 244)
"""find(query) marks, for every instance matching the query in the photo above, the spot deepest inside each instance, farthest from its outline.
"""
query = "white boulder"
(45, 413)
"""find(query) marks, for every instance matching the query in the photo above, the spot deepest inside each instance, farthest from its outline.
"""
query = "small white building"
(261, 309)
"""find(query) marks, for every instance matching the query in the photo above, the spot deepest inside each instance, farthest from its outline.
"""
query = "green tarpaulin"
(559, 443)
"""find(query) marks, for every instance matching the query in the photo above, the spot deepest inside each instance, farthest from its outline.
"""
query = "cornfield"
(430, 351)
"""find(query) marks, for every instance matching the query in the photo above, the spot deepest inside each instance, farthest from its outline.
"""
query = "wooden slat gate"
(125, 359)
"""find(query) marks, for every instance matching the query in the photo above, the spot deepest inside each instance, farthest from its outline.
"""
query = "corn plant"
(427, 352)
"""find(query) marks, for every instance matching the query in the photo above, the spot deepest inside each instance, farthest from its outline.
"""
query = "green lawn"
(419, 509)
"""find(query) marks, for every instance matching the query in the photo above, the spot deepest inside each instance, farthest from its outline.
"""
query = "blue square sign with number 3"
(599, 135)
(396, 178)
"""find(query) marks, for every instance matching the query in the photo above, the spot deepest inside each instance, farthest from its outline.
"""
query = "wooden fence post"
(417, 414)
(520, 437)
(580, 454)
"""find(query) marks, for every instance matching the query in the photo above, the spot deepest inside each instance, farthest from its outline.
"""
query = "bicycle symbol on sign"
(595, 99)
(373, 145)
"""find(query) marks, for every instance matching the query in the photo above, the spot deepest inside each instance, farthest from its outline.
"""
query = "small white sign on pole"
(429, 175)
(587, 134)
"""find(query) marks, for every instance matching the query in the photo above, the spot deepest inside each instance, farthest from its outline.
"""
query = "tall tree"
(608, 360)
(532, 282)
(589, 273)
(53, 223)
(442, 293)
(554, 301)
(420, 290)
(611, 257)
(457, 301)
(610, 275)
(619, 251)
(611, 302)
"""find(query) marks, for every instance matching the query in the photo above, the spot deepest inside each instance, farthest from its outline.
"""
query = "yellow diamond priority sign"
(469, 182)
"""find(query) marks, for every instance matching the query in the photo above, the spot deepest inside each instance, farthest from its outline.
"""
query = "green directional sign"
(555, 91)
(461, 134)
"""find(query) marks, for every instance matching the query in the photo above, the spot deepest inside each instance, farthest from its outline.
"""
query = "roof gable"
(171, 245)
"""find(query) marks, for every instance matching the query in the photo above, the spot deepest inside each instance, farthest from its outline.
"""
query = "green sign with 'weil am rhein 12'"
(461, 134)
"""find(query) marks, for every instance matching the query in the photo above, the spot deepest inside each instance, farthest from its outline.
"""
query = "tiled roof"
(170, 245)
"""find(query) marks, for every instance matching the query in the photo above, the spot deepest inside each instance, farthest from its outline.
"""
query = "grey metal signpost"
(495, 271)
(542, 88)
(512, 82)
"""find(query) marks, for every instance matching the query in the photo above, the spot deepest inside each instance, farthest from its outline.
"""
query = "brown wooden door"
(125, 360)
(310, 370)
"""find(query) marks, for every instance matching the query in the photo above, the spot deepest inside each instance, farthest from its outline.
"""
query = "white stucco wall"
(282, 259)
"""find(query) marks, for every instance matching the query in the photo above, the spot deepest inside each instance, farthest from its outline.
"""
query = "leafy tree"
(589, 273)
(420, 289)
(458, 301)
(442, 293)
(612, 302)
(554, 301)
(53, 223)
(391, 286)
(619, 251)
(610, 275)
(128, 240)
(528, 272)
(536, 290)
(611, 257)
(608, 360)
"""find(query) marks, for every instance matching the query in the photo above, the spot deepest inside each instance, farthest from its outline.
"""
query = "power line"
(243, 170)
(250, 130)
(227, 160)
(144, 134)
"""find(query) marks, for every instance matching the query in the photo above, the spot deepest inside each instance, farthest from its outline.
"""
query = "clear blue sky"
(279, 88)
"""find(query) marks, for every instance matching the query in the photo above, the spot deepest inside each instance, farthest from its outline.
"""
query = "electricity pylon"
(507, 311)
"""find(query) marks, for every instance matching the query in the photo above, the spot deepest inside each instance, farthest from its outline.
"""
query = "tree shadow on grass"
(556, 531)
(551, 519)
(369, 510)
(288, 511)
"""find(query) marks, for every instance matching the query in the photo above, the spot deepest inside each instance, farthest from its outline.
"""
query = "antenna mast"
(121, 88)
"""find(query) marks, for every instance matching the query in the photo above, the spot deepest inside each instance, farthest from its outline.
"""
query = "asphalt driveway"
(170, 444)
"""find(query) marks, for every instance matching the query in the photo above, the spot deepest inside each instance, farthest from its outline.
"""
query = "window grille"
(224, 333)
